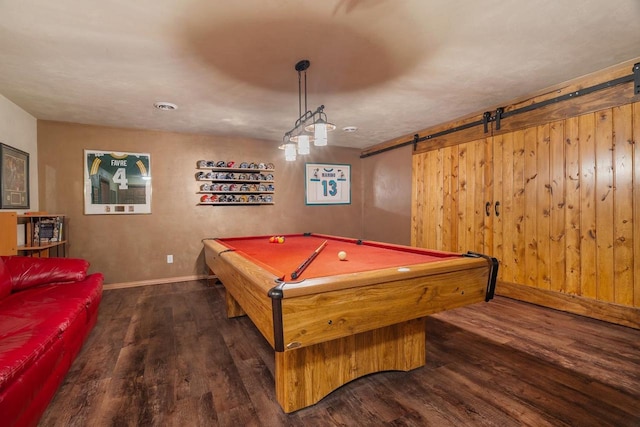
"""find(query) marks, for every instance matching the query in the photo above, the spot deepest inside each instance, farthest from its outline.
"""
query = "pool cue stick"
(298, 271)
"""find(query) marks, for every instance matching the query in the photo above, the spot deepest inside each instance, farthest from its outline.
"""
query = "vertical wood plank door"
(463, 179)
(635, 142)
(517, 193)
(530, 207)
(418, 176)
(450, 209)
(623, 209)
(543, 206)
(603, 200)
(504, 229)
(572, 208)
(586, 141)
(557, 182)
(496, 156)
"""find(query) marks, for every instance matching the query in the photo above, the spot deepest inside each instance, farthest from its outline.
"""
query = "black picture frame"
(14, 178)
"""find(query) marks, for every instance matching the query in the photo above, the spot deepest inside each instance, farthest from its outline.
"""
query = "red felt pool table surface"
(282, 259)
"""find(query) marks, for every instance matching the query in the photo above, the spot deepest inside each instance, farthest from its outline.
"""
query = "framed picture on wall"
(117, 183)
(327, 184)
(14, 178)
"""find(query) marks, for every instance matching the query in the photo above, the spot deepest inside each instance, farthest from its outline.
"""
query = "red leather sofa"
(48, 306)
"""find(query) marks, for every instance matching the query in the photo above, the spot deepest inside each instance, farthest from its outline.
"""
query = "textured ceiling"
(389, 67)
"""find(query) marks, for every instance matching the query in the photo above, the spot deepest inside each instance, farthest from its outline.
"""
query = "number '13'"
(329, 188)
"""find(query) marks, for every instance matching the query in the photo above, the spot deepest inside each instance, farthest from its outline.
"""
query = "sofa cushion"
(27, 272)
(5, 280)
(33, 321)
(23, 401)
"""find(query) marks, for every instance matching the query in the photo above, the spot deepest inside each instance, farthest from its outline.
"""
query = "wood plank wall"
(558, 203)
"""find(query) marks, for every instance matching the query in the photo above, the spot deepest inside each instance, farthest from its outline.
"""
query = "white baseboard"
(157, 281)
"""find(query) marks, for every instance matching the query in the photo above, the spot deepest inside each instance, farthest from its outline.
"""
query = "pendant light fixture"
(310, 126)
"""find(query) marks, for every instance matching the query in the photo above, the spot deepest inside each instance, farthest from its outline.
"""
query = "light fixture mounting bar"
(308, 115)
(300, 67)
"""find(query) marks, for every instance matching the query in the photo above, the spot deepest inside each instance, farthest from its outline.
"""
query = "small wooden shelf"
(11, 224)
(42, 246)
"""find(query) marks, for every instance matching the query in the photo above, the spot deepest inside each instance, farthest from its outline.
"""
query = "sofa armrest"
(26, 272)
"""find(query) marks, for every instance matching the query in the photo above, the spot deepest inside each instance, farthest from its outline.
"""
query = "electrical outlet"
(169, 259)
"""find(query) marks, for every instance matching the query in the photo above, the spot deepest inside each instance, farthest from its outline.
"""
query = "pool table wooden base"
(304, 375)
(324, 367)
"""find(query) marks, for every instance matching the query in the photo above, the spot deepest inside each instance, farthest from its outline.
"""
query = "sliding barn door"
(558, 204)
(565, 212)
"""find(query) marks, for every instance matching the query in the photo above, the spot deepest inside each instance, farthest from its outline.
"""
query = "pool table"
(342, 319)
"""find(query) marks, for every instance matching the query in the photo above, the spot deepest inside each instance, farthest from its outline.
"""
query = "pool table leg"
(307, 374)
(233, 308)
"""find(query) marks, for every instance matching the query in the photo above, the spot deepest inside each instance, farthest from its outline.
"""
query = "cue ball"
(342, 255)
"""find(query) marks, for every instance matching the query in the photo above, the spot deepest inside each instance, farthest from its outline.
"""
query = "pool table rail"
(317, 317)
(292, 289)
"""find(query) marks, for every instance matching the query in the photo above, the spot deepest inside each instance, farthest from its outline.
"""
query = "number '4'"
(120, 177)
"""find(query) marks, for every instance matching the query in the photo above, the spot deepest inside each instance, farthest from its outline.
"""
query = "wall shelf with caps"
(231, 183)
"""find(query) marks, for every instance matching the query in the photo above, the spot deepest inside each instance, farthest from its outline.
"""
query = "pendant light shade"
(304, 144)
(319, 129)
(290, 152)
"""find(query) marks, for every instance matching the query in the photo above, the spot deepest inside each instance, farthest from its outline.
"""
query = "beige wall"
(129, 248)
(387, 196)
(19, 130)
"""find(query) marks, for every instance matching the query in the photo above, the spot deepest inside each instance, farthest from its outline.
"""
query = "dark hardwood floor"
(166, 355)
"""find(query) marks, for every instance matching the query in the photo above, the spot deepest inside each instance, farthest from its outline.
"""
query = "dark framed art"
(14, 178)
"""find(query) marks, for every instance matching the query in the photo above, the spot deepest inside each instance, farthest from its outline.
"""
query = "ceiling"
(388, 67)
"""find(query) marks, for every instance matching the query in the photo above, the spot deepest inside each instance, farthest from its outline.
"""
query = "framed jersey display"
(117, 183)
(328, 184)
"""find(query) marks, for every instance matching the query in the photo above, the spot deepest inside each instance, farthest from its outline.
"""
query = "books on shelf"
(48, 230)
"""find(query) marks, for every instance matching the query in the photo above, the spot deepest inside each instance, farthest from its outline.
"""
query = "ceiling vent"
(166, 106)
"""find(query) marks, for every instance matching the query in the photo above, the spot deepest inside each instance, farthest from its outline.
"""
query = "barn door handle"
(487, 209)
(497, 208)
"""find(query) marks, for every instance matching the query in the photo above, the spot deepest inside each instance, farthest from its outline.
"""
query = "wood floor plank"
(166, 355)
(567, 395)
(608, 355)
